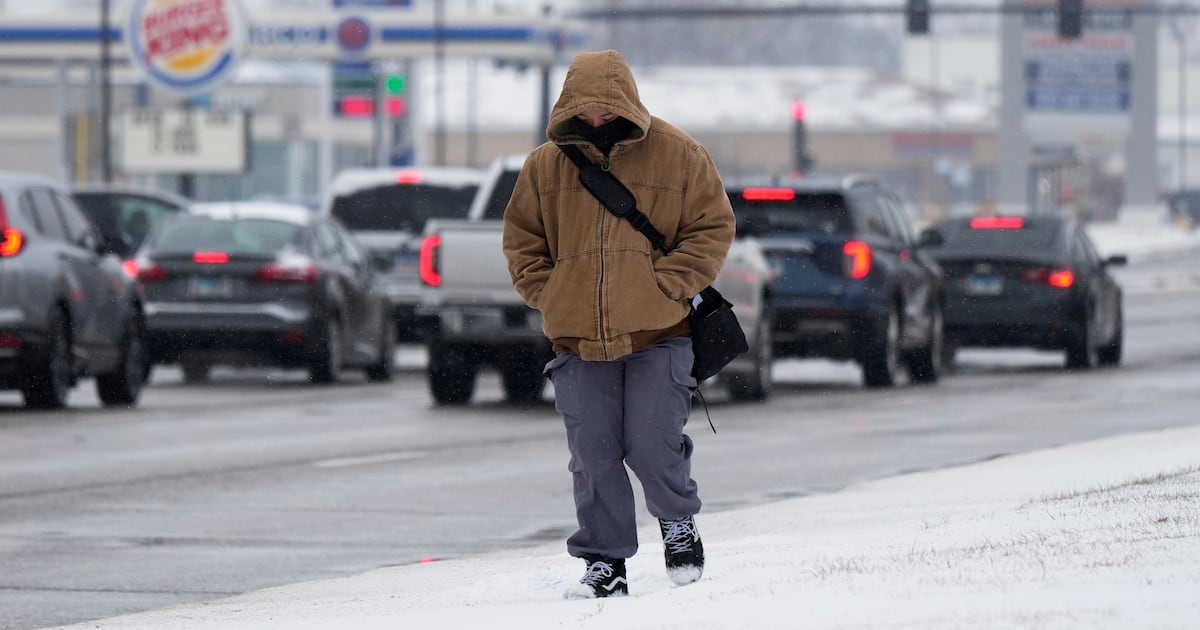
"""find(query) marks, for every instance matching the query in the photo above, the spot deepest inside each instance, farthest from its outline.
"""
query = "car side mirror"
(1116, 261)
(930, 238)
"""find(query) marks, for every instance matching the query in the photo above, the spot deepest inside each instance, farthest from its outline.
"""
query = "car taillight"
(1062, 278)
(997, 223)
(10, 237)
(211, 258)
(145, 270)
(857, 262)
(768, 194)
(275, 272)
(429, 260)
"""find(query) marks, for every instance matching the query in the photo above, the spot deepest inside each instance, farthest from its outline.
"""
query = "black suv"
(849, 283)
(68, 309)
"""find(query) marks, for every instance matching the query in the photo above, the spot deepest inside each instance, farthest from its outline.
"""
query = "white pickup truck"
(482, 321)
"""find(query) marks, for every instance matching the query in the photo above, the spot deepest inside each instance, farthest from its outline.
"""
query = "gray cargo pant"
(630, 411)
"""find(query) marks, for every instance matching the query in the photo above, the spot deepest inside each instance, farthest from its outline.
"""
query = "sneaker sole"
(685, 575)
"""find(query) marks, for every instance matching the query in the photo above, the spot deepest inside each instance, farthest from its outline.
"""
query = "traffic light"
(1070, 18)
(917, 13)
(801, 159)
(395, 101)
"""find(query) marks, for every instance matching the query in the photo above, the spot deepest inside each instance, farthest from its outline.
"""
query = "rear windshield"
(806, 212)
(501, 193)
(1031, 238)
(247, 236)
(402, 207)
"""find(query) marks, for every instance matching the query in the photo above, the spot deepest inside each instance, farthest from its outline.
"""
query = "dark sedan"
(1028, 281)
(263, 283)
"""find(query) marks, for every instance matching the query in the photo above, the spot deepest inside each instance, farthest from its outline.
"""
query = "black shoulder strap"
(614, 195)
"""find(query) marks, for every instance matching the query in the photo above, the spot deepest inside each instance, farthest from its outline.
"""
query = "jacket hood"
(597, 81)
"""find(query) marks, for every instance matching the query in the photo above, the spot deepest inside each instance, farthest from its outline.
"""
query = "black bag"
(717, 337)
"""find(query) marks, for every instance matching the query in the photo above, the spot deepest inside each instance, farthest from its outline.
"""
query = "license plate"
(983, 285)
(211, 287)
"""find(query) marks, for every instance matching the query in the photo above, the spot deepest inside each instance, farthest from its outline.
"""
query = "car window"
(898, 216)
(79, 230)
(874, 216)
(252, 236)
(1033, 237)
(501, 193)
(402, 207)
(328, 244)
(39, 206)
(804, 212)
(1084, 251)
(349, 247)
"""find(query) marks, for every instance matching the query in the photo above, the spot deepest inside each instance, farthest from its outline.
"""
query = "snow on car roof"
(356, 179)
(279, 211)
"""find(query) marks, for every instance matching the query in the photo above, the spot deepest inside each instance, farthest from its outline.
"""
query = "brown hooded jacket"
(601, 287)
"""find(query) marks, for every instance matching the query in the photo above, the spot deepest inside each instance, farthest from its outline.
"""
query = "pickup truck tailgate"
(471, 264)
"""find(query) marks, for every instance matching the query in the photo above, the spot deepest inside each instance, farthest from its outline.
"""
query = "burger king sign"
(185, 46)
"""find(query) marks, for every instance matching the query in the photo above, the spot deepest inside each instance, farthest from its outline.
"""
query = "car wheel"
(382, 369)
(522, 377)
(1081, 351)
(881, 361)
(328, 359)
(925, 364)
(1111, 353)
(451, 373)
(123, 385)
(49, 380)
(195, 371)
(755, 385)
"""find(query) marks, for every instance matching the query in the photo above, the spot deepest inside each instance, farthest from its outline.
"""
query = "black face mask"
(608, 134)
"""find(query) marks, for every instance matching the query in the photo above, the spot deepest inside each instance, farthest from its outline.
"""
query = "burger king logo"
(185, 45)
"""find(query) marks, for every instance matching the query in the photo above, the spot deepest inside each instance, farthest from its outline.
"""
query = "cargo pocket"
(566, 395)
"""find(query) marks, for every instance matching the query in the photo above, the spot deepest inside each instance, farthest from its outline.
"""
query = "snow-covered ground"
(1104, 534)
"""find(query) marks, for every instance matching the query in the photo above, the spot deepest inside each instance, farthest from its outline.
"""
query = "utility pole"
(106, 168)
(439, 54)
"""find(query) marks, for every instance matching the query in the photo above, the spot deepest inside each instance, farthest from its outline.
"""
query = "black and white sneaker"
(605, 577)
(682, 549)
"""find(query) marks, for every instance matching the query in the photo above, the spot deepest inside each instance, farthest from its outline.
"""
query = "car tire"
(327, 359)
(925, 364)
(451, 372)
(523, 379)
(123, 385)
(755, 385)
(195, 371)
(881, 358)
(383, 368)
(1110, 354)
(1081, 353)
(49, 379)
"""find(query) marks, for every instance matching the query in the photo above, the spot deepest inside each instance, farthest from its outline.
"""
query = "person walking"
(616, 310)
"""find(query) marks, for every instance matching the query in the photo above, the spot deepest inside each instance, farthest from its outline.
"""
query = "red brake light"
(428, 263)
(212, 258)
(146, 272)
(408, 177)
(768, 194)
(858, 259)
(130, 267)
(1061, 278)
(1009, 223)
(10, 237)
(275, 272)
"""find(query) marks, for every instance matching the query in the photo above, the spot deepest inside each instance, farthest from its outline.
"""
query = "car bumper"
(228, 331)
(1046, 322)
(821, 328)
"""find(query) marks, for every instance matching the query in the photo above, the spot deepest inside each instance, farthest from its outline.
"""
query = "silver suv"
(68, 309)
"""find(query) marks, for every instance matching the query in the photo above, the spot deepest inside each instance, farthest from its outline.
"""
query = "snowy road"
(257, 479)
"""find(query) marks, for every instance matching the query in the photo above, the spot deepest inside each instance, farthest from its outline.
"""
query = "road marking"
(365, 460)
(1155, 283)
